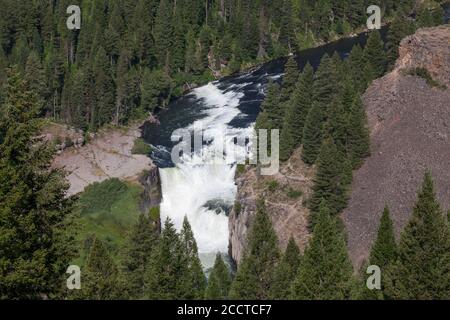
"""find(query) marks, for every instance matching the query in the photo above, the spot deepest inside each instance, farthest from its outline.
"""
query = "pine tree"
(271, 107)
(104, 90)
(36, 78)
(167, 269)
(219, 281)
(285, 271)
(300, 104)
(355, 63)
(195, 281)
(142, 239)
(163, 33)
(325, 269)
(332, 180)
(255, 274)
(313, 133)
(383, 254)
(375, 56)
(290, 79)
(100, 280)
(358, 136)
(384, 250)
(422, 268)
(155, 90)
(399, 29)
(35, 243)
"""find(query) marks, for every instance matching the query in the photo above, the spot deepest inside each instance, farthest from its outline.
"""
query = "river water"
(206, 192)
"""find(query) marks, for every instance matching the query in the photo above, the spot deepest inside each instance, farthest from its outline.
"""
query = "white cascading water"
(194, 182)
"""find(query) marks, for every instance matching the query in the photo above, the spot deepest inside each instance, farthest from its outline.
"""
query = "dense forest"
(131, 57)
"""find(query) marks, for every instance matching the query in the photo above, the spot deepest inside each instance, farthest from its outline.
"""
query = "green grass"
(141, 147)
(107, 210)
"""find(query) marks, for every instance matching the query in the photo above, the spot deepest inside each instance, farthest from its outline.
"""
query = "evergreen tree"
(399, 29)
(163, 33)
(285, 271)
(219, 281)
(255, 273)
(290, 79)
(374, 56)
(100, 280)
(104, 90)
(313, 133)
(383, 254)
(272, 110)
(142, 239)
(36, 78)
(300, 104)
(155, 90)
(332, 180)
(35, 244)
(325, 269)
(195, 281)
(358, 136)
(355, 68)
(422, 268)
(167, 270)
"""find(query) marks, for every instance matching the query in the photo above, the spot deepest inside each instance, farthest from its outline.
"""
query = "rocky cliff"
(284, 193)
(410, 131)
(107, 156)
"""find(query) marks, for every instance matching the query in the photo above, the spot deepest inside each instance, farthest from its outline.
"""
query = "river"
(206, 192)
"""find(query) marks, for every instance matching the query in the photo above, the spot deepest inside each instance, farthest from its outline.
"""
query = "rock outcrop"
(410, 133)
(107, 156)
(284, 194)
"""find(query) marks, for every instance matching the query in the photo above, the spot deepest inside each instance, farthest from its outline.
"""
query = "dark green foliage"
(219, 281)
(425, 74)
(290, 79)
(100, 278)
(297, 110)
(194, 282)
(167, 270)
(383, 254)
(332, 180)
(285, 272)
(255, 273)
(156, 89)
(142, 239)
(384, 250)
(358, 133)
(325, 270)
(104, 196)
(35, 248)
(430, 14)
(313, 133)
(122, 41)
(272, 111)
(422, 268)
(374, 56)
(399, 29)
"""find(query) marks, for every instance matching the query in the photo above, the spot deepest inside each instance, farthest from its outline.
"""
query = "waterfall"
(198, 188)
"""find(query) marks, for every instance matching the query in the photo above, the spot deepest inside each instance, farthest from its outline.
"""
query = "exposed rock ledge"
(107, 156)
(288, 214)
(410, 133)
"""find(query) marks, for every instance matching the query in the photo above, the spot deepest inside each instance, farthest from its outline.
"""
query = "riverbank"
(108, 155)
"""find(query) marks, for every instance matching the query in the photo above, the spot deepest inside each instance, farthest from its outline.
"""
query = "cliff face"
(107, 156)
(410, 132)
(284, 194)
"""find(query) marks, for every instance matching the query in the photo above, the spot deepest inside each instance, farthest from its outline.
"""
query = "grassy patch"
(272, 185)
(294, 194)
(107, 210)
(141, 147)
